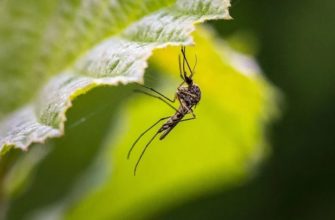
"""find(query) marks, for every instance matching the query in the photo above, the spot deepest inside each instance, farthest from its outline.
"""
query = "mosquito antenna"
(195, 64)
(132, 147)
(183, 51)
(180, 70)
(184, 71)
(145, 148)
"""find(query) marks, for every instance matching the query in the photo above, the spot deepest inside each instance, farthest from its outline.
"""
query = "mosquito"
(188, 96)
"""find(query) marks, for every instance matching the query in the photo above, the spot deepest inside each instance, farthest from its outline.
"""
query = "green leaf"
(53, 51)
(221, 148)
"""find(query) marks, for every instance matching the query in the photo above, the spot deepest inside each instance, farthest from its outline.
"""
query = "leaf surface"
(55, 51)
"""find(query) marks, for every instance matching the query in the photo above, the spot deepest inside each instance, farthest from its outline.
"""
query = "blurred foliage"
(295, 48)
(294, 42)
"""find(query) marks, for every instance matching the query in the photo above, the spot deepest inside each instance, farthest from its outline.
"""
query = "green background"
(296, 45)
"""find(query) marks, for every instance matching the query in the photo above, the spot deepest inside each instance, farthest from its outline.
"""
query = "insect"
(188, 96)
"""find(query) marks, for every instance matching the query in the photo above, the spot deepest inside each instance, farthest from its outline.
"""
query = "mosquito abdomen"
(166, 132)
(170, 124)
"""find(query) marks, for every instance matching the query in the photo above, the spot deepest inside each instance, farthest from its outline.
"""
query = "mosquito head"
(188, 80)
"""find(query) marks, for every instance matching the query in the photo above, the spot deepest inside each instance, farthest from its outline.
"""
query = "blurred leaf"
(217, 150)
(93, 117)
(51, 52)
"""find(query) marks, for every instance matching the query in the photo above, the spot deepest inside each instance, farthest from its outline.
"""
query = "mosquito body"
(188, 96)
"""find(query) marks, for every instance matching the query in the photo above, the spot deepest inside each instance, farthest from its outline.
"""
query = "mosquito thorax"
(195, 90)
(190, 94)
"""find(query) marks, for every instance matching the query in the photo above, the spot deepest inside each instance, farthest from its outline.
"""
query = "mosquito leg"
(180, 70)
(180, 85)
(155, 96)
(193, 115)
(132, 147)
(195, 64)
(184, 71)
(188, 119)
(189, 110)
(158, 97)
(147, 145)
(155, 91)
(145, 148)
(190, 94)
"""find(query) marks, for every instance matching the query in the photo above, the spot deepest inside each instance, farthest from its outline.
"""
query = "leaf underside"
(68, 54)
